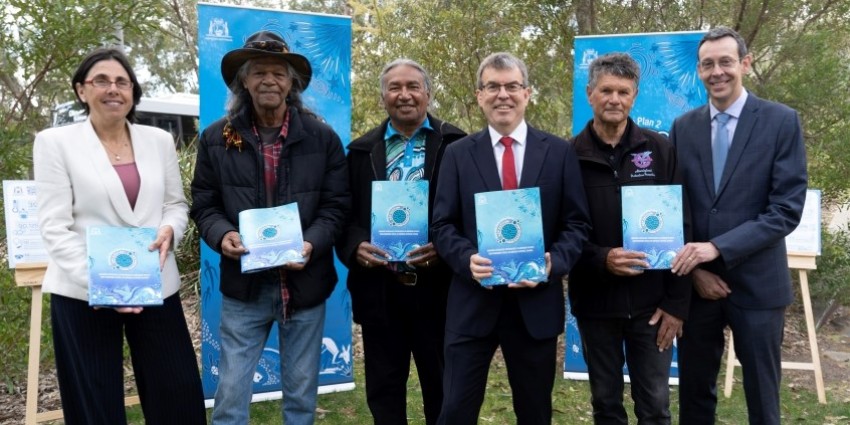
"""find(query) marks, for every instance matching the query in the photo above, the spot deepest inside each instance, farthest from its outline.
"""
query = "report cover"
(653, 223)
(122, 271)
(510, 233)
(272, 236)
(399, 216)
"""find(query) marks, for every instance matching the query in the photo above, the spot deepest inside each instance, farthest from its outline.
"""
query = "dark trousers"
(758, 346)
(603, 342)
(89, 363)
(530, 365)
(387, 349)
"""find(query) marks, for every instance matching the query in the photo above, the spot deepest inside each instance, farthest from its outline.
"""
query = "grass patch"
(571, 404)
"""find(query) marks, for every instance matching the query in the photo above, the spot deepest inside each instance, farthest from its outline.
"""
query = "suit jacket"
(759, 200)
(469, 167)
(78, 187)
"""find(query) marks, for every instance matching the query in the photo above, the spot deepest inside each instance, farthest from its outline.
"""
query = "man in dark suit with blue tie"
(744, 165)
(524, 318)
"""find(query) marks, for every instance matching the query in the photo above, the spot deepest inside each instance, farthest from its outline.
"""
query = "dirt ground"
(833, 342)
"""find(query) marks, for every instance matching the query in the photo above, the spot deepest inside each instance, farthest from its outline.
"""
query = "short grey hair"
(502, 61)
(617, 64)
(404, 62)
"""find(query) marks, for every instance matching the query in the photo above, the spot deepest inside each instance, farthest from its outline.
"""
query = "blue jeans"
(245, 327)
(603, 341)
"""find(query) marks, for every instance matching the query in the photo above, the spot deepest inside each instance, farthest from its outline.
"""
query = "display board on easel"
(804, 245)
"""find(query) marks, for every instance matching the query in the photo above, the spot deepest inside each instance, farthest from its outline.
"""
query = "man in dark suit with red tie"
(743, 163)
(523, 318)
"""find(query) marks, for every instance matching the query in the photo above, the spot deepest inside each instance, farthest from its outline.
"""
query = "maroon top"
(129, 175)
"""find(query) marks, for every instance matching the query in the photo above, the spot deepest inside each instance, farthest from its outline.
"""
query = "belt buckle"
(407, 278)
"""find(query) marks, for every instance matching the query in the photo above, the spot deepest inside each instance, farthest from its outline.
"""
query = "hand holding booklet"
(122, 271)
(510, 234)
(272, 236)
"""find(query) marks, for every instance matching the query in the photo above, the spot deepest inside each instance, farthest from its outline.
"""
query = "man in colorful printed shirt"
(400, 306)
(616, 302)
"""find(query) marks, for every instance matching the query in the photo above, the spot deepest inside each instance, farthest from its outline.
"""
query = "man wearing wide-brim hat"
(269, 150)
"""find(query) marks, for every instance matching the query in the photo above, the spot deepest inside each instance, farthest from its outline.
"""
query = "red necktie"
(509, 181)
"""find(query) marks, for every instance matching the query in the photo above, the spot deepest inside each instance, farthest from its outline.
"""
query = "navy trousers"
(89, 363)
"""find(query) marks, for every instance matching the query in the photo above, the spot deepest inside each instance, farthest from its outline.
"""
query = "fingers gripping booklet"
(272, 236)
(122, 271)
(510, 233)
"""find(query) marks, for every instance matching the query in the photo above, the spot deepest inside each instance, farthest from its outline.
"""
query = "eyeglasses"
(493, 88)
(725, 63)
(268, 45)
(105, 83)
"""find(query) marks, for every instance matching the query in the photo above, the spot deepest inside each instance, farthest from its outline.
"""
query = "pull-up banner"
(669, 86)
(326, 42)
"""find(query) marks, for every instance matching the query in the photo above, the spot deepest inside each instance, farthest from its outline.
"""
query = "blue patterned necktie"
(720, 147)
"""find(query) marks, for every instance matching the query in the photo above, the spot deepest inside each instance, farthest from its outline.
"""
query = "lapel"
(484, 160)
(702, 141)
(378, 154)
(101, 165)
(536, 147)
(746, 122)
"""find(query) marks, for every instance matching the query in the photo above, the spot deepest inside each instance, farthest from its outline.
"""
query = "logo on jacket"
(642, 160)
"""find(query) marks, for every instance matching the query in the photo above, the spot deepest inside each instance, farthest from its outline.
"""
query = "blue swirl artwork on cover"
(653, 222)
(399, 216)
(272, 236)
(510, 233)
(122, 271)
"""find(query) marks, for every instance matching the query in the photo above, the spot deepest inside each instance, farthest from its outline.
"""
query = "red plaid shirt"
(271, 160)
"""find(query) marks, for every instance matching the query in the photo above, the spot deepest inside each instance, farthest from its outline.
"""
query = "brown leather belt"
(406, 278)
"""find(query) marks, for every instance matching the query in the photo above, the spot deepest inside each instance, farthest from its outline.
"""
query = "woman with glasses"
(107, 171)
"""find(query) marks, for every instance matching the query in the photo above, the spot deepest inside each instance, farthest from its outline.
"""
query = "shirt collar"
(392, 132)
(519, 134)
(734, 109)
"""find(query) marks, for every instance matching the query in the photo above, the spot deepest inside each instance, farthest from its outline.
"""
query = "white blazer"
(78, 187)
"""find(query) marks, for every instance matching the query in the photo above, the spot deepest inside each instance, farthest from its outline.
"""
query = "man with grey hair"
(270, 151)
(401, 307)
(524, 318)
(616, 301)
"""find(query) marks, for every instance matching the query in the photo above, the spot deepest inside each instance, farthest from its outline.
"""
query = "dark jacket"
(594, 291)
(312, 172)
(367, 162)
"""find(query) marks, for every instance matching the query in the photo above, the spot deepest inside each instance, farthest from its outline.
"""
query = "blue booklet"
(272, 236)
(122, 271)
(510, 233)
(653, 223)
(399, 216)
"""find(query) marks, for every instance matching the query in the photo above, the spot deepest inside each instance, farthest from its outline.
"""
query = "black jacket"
(594, 292)
(312, 172)
(367, 162)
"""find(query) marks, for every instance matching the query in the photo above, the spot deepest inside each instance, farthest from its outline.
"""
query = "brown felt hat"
(264, 44)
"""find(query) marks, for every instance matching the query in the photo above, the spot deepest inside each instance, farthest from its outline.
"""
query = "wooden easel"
(803, 263)
(31, 275)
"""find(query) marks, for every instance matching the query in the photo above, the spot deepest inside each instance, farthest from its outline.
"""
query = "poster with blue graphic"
(669, 86)
(510, 234)
(325, 40)
(399, 216)
(653, 222)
